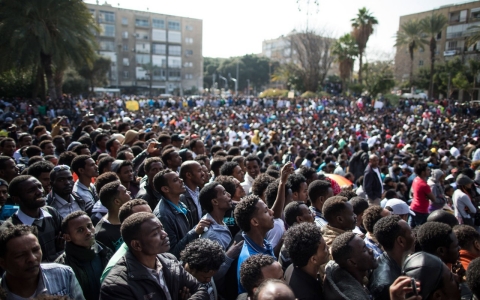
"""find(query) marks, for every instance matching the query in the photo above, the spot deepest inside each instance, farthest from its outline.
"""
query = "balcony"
(447, 53)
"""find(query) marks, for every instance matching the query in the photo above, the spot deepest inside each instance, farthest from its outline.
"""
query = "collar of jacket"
(137, 271)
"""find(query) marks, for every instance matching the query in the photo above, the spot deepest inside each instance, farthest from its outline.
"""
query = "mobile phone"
(158, 146)
(414, 286)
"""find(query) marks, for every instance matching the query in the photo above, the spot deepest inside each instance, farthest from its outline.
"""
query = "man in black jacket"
(192, 175)
(372, 181)
(174, 215)
(147, 192)
(359, 160)
(83, 254)
(144, 274)
(396, 238)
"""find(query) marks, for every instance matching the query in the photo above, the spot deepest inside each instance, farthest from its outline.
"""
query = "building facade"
(150, 49)
(451, 42)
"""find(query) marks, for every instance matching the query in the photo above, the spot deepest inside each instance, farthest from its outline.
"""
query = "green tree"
(411, 37)
(96, 74)
(290, 74)
(461, 82)
(345, 50)
(475, 35)
(44, 33)
(363, 26)
(379, 77)
(432, 26)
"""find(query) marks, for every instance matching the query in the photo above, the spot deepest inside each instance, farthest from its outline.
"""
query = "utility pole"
(236, 81)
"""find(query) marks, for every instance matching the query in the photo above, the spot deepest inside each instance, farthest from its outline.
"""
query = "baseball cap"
(176, 138)
(399, 207)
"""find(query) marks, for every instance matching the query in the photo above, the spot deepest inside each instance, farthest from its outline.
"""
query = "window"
(142, 58)
(125, 47)
(107, 45)
(159, 61)
(142, 48)
(106, 17)
(174, 37)
(141, 35)
(159, 49)
(159, 74)
(124, 21)
(173, 25)
(173, 74)
(189, 40)
(174, 62)
(126, 62)
(188, 64)
(475, 13)
(107, 30)
(189, 27)
(188, 52)
(174, 50)
(125, 75)
(420, 62)
(451, 45)
(159, 35)
(157, 23)
(125, 34)
(188, 76)
(142, 23)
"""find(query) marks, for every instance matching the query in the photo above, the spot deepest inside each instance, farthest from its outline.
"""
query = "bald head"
(373, 161)
(187, 167)
(274, 289)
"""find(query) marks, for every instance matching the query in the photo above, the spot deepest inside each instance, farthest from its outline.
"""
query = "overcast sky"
(235, 28)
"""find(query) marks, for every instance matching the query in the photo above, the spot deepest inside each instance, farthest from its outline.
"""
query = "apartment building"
(134, 40)
(451, 42)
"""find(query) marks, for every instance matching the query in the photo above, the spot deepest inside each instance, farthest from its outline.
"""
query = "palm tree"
(363, 26)
(150, 68)
(432, 26)
(45, 33)
(346, 50)
(412, 37)
(475, 37)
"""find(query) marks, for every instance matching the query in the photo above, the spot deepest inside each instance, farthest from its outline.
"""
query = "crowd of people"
(242, 198)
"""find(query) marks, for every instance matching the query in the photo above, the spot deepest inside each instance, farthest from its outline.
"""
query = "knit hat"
(463, 180)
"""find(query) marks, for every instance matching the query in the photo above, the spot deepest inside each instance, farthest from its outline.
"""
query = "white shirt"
(379, 177)
(276, 233)
(64, 207)
(27, 220)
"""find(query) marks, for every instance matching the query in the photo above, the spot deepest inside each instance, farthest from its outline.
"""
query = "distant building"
(451, 42)
(132, 38)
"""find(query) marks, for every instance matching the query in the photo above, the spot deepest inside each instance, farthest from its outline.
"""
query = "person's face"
(31, 195)
(26, 141)
(129, 156)
(238, 174)
(154, 169)
(323, 255)
(175, 160)
(408, 238)
(273, 271)
(223, 199)
(60, 144)
(81, 232)
(91, 169)
(126, 174)
(374, 162)
(196, 174)
(175, 184)
(348, 217)
(3, 194)
(153, 239)
(263, 217)
(63, 183)
(206, 175)
(199, 148)
(253, 168)
(362, 256)
(45, 180)
(123, 196)
(102, 142)
(9, 148)
(115, 146)
(10, 171)
(306, 214)
(22, 258)
(239, 191)
(452, 252)
(302, 194)
(203, 276)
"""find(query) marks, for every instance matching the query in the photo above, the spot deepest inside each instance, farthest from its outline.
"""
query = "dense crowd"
(239, 198)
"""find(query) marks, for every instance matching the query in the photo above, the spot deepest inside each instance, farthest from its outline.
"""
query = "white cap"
(399, 207)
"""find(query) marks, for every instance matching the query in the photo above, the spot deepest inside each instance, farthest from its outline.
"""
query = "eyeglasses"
(61, 168)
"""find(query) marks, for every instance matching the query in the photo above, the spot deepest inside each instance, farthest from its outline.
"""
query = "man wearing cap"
(176, 141)
(400, 208)
(461, 200)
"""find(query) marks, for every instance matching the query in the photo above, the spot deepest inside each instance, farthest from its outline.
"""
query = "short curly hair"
(473, 276)
(341, 249)
(66, 158)
(307, 172)
(251, 275)
(207, 194)
(69, 217)
(347, 194)
(318, 188)
(130, 228)
(371, 216)
(228, 183)
(271, 192)
(228, 167)
(386, 230)
(126, 210)
(295, 181)
(13, 231)
(245, 210)
(203, 255)
(466, 235)
(261, 183)
(433, 235)
(359, 204)
(302, 242)
(333, 207)
(292, 211)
